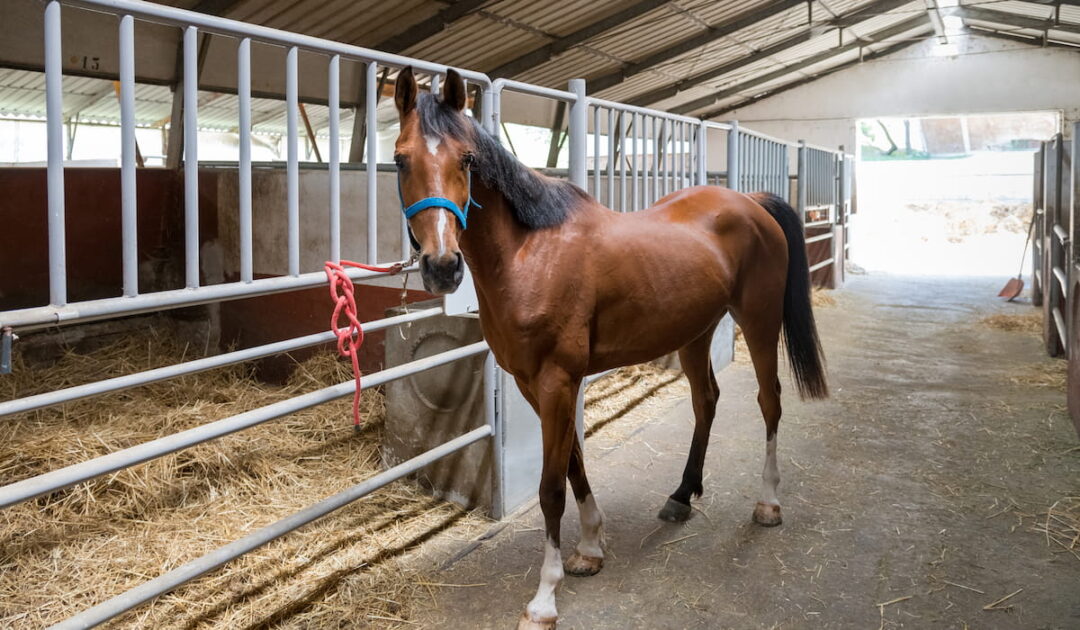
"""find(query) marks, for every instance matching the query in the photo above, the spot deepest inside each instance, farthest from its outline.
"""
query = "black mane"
(537, 201)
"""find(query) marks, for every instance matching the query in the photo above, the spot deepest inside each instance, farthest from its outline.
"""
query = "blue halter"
(438, 202)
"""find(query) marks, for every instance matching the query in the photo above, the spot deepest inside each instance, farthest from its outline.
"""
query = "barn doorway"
(946, 195)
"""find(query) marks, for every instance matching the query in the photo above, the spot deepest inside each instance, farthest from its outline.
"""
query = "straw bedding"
(62, 553)
(355, 568)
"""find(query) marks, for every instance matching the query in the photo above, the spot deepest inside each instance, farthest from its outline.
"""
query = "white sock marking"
(542, 607)
(592, 529)
(770, 476)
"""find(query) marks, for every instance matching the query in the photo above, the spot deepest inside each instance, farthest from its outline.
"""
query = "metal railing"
(817, 195)
(1056, 244)
(638, 156)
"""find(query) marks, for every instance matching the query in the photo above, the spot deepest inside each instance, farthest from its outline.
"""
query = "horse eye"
(399, 159)
(467, 160)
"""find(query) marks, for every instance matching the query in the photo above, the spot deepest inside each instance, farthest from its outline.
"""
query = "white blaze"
(433, 143)
(542, 607)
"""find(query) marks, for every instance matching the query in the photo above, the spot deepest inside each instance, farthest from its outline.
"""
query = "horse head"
(434, 154)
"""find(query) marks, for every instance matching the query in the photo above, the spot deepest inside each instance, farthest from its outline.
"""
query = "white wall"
(987, 75)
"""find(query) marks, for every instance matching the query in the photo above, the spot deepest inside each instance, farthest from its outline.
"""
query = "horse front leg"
(588, 558)
(555, 392)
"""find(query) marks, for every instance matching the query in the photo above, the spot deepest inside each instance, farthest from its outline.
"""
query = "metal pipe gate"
(638, 155)
(1054, 263)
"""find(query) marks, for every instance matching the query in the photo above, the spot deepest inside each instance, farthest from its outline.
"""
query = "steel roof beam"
(216, 7)
(1014, 20)
(933, 10)
(430, 27)
(892, 31)
(843, 21)
(749, 18)
(790, 86)
(561, 44)
(1023, 39)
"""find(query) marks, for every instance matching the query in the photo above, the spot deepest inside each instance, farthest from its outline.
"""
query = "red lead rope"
(351, 336)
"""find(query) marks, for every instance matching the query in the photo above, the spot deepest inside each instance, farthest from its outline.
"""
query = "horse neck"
(493, 235)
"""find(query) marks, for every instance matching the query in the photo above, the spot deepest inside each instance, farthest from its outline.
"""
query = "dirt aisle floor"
(914, 498)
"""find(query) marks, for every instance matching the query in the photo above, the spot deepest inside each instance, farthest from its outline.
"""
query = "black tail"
(800, 332)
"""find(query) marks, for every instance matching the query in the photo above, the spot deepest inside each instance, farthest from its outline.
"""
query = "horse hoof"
(674, 511)
(528, 624)
(767, 514)
(583, 566)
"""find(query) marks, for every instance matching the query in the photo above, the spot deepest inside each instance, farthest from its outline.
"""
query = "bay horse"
(567, 288)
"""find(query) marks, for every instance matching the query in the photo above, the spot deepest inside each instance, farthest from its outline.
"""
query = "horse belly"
(657, 315)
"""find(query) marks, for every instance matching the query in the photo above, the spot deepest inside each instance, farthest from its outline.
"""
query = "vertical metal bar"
(657, 158)
(665, 135)
(128, 149)
(334, 96)
(702, 154)
(371, 102)
(1074, 205)
(436, 84)
(292, 112)
(733, 156)
(635, 203)
(801, 193)
(491, 418)
(487, 108)
(54, 108)
(578, 128)
(611, 158)
(596, 152)
(191, 156)
(243, 90)
(622, 162)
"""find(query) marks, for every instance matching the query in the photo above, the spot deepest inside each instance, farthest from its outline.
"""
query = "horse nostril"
(425, 263)
(460, 263)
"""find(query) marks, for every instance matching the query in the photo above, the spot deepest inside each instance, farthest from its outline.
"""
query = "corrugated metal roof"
(499, 31)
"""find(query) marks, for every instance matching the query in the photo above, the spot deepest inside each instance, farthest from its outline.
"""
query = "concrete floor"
(917, 483)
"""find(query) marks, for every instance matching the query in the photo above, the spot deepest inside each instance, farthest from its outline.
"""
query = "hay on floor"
(67, 551)
(357, 567)
(1031, 322)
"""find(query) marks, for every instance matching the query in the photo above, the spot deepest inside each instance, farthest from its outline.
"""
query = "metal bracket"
(6, 339)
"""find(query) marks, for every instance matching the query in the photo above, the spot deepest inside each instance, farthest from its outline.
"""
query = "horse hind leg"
(704, 392)
(762, 337)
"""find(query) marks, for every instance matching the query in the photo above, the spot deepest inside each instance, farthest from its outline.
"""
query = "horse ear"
(405, 91)
(454, 94)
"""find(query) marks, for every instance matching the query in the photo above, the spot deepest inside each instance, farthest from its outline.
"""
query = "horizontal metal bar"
(824, 263)
(527, 88)
(819, 237)
(44, 316)
(85, 471)
(765, 136)
(712, 124)
(623, 107)
(1062, 279)
(817, 224)
(222, 555)
(592, 378)
(1062, 331)
(1061, 234)
(222, 26)
(129, 381)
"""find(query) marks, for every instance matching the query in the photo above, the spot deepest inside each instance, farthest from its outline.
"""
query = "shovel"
(1014, 286)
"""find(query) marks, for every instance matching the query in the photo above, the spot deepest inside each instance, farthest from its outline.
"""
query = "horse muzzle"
(442, 274)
